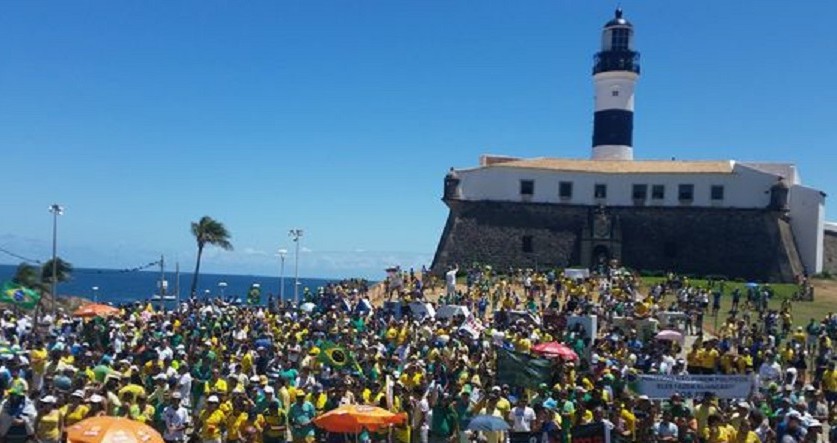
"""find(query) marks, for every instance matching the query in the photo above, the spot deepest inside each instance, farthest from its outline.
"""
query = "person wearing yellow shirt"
(275, 423)
(709, 359)
(629, 419)
(247, 362)
(211, 420)
(745, 434)
(38, 360)
(49, 426)
(702, 413)
(829, 384)
(236, 426)
(141, 411)
(318, 398)
(717, 431)
(76, 410)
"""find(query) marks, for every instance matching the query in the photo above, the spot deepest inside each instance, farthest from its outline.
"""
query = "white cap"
(254, 378)
(268, 390)
(48, 399)
(212, 399)
(96, 398)
(160, 376)
(78, 393)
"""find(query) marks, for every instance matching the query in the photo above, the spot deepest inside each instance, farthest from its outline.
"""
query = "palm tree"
(62, 271)
(208, 231)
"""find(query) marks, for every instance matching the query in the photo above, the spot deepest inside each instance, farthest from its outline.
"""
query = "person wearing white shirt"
(770, 371)
(184, 385)
(521, 416)
(176, 418)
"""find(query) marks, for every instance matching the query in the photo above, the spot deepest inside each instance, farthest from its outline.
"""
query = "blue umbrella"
(488, 423)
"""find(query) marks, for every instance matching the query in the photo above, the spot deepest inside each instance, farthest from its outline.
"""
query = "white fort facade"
(725, 218)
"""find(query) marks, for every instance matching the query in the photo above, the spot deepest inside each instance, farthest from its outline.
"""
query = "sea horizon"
(122, 286)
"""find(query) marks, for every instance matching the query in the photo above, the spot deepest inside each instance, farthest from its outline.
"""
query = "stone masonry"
(735, 243)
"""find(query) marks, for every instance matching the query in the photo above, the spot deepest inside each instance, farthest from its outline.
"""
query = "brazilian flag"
(254, 295)
(19, 295)
(335, 356)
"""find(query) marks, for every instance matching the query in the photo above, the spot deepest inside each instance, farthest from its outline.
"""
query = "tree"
(208, 231)
(63, 270)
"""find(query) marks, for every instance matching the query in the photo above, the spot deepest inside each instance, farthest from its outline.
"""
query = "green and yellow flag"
(19, 295)
(335, 356)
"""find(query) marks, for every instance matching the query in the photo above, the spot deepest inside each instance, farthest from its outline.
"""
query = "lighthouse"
(615, 73)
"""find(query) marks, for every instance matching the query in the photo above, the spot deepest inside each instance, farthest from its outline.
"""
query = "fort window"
(600, 191)
(614, 93)
(639, 192)
(658, 192)
(527, 244)
(686, 192)
(717, 192)
(527, 187)
(565, 189)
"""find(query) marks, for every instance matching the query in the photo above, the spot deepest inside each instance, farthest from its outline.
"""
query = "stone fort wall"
(736, 243)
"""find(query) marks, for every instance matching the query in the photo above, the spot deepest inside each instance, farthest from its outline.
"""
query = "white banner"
(659, 387)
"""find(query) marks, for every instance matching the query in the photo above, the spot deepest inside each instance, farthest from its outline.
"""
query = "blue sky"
(342, 117)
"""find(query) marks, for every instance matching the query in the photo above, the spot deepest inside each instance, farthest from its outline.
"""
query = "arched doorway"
(601, 257)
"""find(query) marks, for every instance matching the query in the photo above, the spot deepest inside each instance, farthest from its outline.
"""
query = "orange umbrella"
(354, 418)
(95, 310)
(112, 430)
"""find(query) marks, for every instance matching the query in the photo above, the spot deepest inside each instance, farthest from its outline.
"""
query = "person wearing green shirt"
(300, 418)
(444, 423)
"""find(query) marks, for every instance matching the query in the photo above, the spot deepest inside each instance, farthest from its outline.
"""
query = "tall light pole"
(296, 234)
(56, 210)
(282, 253)
(95, 294)
(222, 286)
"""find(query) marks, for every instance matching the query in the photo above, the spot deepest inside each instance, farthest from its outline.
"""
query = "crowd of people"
(216, 372)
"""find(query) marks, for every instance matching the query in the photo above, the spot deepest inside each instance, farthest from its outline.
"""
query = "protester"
(218, 372)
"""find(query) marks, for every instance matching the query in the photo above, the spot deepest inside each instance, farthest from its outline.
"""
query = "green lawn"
(803, 311)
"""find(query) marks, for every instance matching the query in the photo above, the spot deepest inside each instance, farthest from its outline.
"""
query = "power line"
(20, 257)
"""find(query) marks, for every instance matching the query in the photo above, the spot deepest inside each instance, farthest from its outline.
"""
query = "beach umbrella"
(308, 307)
(487, 423)
(95, 310)
(752, 285)
(352, 419)
(554, 349)
(669, 335)
(112, 430)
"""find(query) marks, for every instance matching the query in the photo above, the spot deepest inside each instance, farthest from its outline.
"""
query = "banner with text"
(658, 387)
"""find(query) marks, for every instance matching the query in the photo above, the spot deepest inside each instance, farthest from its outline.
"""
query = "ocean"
(125, 287)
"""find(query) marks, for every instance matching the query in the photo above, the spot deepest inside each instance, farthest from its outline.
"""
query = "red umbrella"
(554, 349)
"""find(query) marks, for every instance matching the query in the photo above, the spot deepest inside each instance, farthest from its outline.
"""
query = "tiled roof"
(622, 166)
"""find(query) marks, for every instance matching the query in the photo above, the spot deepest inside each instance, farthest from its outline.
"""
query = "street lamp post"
(206, 294)
(56, 210)
(222, 286)
(282, 253)
(95, 294)
(296, 235)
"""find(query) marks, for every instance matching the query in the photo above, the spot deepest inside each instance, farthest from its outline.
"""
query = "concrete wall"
(830, 252)
(744, 188)
(807, 217)
(743, 243)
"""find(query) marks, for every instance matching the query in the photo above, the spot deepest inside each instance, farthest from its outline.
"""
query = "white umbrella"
(670, 335)
(307, 307)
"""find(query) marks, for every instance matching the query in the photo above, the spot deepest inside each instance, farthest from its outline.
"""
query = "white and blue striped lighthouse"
(615, 72)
